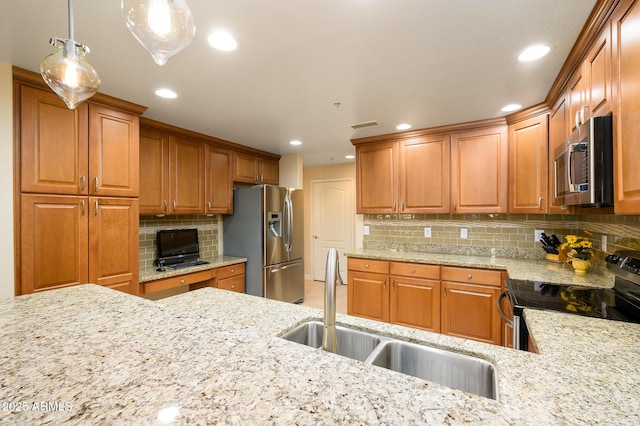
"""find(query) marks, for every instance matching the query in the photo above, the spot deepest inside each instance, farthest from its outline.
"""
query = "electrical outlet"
(464, 233)
(427, 232)
(604, 244)
(537, 234)
(366, 230)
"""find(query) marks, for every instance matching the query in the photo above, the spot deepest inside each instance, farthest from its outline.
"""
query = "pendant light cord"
(71, 35)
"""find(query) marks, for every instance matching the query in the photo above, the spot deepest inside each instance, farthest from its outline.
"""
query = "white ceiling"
(425, 62)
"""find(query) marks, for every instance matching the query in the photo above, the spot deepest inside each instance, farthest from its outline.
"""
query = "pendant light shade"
(67, 71)
(163, 27)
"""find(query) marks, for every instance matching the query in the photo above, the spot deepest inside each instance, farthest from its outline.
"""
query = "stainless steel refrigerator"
(266, 227)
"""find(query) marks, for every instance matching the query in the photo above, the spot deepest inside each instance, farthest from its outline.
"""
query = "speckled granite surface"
(521, 269)
(150, 273)
(212, 357)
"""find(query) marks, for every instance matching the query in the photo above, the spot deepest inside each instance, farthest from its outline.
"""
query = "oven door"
(512, 315)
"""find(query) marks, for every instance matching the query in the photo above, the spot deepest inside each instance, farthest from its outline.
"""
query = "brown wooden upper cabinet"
(558, 134)
(479, 170)
(249, 168)
(218, 183)
(172, 173)
(92, 150)
(528, 173)
(626, 91)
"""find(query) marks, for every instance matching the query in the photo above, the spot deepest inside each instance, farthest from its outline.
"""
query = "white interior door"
(332, 217)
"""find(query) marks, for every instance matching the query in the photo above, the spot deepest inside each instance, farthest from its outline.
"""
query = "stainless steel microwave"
(583, 166)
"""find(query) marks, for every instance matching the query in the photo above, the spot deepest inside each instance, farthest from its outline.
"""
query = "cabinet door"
(154, 171)
(53, 242)
(113, 243)
(470, 311)
(424, 175)
(186, 171)
(377, 178)
(415, 303)
(528, 166)
(268, 171)
(53, 144)
(245, 167)
(113, 152)
(218, 185)
(232, 284)
(479, 171)
(577, 99)
(626, 60)
(598, 74)
(368, 296)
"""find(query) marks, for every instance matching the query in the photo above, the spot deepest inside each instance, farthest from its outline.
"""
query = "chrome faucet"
(332, 279)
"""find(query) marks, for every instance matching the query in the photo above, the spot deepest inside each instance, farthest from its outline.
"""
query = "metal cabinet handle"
(82, 179)
(384, 284)
(233, 271)
(181, 281)
(393, 284)
(366, 266)
(164, 205)
(96, 207)
(469, 276)
(208, 205)
(455, 205)
(402, 208)
(82, 206)
(413, 270)
(95, 180)
(540, 203)
(394, 206)
(444, 291)
(175, 204)
(233, 286)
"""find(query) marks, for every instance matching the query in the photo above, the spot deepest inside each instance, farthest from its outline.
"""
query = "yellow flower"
(571, 239)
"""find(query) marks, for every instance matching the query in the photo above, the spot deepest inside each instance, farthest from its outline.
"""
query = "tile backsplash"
(207, 234)
(506, 235)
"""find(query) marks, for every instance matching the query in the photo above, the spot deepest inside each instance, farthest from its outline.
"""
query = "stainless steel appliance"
(267, 228)
(583, 166)
(620, 303)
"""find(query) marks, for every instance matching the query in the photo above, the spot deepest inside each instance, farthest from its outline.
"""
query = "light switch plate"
(366, 230)
(537, 234)
(427, 232)
(464, 233)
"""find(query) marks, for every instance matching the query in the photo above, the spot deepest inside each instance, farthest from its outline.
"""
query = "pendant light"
(163, 27)
(67, 71)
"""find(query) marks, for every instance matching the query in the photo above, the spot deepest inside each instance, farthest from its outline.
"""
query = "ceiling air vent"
(364, 125)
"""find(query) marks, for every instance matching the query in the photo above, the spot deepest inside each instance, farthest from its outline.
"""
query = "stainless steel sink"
(353, 344)
(451, 369)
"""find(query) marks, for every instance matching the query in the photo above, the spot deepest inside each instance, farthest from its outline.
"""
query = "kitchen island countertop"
(91, 355)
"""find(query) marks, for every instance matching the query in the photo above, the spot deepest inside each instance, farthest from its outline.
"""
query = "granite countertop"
(150, 273)
(520, 269)
(91, 355)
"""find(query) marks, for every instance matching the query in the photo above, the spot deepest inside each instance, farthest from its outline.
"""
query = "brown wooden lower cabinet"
(227, 278)
(450, 300)
(69, 240)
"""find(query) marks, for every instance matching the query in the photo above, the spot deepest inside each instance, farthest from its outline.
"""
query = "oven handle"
(502, 295)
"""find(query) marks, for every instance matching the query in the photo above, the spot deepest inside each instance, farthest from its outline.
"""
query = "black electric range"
(620, 303)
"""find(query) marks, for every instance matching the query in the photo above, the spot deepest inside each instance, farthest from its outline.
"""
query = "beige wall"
(7, 286)
(310, 174)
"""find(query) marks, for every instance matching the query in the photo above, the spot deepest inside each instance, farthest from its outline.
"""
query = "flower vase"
(580, 266)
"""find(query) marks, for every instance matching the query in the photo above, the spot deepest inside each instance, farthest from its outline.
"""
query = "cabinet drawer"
(177, 281)
(368, 265)
(233, 284)
(230, 271)
(472, 276)
(418, 270)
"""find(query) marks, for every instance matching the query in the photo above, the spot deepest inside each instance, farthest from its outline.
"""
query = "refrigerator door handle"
(282, 268)
(288, 218)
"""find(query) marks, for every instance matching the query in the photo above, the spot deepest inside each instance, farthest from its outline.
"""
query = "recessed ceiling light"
(295, 143)
(534, 52)
(350, 157)
(166, 93)
(403, 126)
(511, 107)
(222, 40)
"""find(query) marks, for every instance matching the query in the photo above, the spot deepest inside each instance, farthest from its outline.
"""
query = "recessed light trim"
(534, 52)
(222, 40)
(511, 107)
(166, 93)
(350, 157)
(403, 126)
(296, 142)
